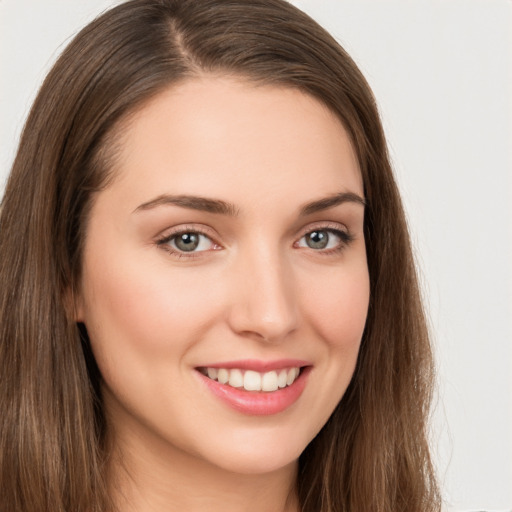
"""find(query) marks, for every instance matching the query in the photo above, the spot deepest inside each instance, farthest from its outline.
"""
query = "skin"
(254, 289)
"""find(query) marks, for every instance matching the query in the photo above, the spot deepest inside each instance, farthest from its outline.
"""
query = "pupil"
(187, 241)
(317, 239)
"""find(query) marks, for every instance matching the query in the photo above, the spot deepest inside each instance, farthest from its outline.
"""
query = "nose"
(263, 304)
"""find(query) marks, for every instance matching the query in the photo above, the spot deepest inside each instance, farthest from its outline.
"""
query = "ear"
(73, 304)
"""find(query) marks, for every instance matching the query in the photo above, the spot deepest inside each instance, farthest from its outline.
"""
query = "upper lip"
(258, 365)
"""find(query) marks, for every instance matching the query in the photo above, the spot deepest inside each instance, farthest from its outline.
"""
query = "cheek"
(143, 321)
(338, 309)
(336, 304)
(139, 314)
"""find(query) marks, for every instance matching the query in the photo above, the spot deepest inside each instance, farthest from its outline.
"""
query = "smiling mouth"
(250, 380)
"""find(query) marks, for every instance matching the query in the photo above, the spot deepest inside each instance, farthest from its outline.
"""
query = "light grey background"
(441, 72)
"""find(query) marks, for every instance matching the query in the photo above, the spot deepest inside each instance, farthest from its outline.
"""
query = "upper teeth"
(251, 380)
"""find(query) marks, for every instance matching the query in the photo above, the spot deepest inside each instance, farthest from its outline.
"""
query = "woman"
(208, 295)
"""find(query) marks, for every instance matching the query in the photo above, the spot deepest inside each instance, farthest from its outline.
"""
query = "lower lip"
(258, 403)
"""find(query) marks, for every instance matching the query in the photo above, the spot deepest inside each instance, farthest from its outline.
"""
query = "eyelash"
(345, 237)
(164, 241)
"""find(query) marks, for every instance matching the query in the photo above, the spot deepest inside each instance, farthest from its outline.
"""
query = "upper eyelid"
(327, 225)
(163, 240)
(169, 233)
(184, 228)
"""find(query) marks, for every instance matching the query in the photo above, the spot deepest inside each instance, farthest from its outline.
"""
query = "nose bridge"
(264, 303)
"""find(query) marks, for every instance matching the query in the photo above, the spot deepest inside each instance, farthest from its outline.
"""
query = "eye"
(325, 239)
(187, 242)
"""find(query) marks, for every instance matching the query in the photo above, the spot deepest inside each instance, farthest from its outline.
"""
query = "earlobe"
(73, 304)
(78, 311)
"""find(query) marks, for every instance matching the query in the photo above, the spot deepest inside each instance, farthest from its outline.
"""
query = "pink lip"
(258, 403)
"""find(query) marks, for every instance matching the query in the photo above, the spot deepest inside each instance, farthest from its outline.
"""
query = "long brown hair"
(372, 455)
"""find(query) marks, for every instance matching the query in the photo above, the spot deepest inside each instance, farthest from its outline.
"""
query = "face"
(225, 284)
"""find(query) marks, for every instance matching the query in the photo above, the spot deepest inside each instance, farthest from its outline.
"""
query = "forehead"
(219, 135)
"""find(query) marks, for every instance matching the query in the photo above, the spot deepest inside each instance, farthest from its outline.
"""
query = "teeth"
(236, 379)
(253, 381)
(269, 381)
(291, 376)
(281, 378)
(222, 376)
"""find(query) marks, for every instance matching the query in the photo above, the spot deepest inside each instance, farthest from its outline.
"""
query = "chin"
(260, 452)
(258, 464)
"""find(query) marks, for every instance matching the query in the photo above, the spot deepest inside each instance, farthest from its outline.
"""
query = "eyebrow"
(192, 202)
(331, 202)
(225, 208)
